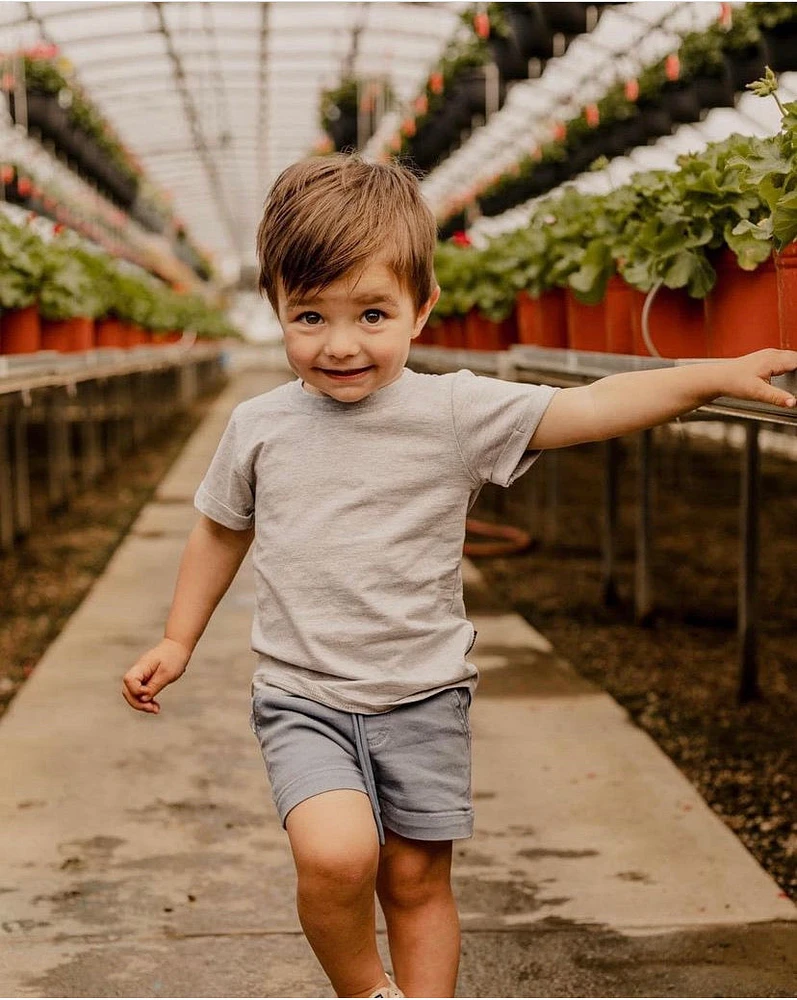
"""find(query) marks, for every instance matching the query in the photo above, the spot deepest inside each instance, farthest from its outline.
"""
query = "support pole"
(748, 570)
(643, 590)
(611, 479)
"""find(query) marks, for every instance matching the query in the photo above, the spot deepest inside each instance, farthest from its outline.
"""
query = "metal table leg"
(748, 570)
(643, 590)
(611, 479)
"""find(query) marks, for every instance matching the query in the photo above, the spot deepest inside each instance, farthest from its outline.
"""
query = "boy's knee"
(412, 877)
(337, 868)
(334, 844)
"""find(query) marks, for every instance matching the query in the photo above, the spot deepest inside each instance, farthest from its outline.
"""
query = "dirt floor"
(39, 596)
(678, 677)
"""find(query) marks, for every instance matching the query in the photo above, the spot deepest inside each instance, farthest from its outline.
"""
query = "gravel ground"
(677, 677)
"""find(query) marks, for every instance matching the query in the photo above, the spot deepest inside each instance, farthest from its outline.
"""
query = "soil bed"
(677, 677)
(45, 577)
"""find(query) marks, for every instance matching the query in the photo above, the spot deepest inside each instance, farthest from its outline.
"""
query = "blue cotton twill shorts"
(413, 762)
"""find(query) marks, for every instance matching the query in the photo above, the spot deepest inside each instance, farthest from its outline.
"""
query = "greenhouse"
(391, 376)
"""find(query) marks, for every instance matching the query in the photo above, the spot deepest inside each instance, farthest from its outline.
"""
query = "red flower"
(24, 186)
(631, 90)
(436, 83)
(559, 131)
(408, 126)
(6, 173)
(592, 115)
(461, 238)
(672, 66)
(726, 16)
(421, 104)
(58, 228)
(481, 22)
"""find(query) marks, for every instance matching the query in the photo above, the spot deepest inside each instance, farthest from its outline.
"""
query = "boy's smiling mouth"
(345, 373)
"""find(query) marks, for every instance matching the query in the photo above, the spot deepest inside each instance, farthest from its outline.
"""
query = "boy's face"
(360, 325)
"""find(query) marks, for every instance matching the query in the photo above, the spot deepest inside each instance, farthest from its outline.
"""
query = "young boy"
(354, 481)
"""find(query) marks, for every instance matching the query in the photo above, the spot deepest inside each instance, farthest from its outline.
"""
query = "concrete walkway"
(141, 856)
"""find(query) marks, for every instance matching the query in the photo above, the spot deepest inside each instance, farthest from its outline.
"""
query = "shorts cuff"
(314, 784)
(456, 825)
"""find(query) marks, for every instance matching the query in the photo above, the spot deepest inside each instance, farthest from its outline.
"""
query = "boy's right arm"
(210, 561)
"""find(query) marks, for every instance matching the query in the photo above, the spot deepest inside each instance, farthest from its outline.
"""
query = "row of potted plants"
(513, 37)
(707, 71)
(710, 245)
(58, 295)
(41, 89)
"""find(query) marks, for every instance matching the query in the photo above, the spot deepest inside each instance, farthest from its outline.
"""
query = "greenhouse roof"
(215, 99)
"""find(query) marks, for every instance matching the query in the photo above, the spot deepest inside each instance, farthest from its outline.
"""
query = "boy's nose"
(341, 344)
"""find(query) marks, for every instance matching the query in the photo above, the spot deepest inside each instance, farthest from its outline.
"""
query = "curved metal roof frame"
(243, 82)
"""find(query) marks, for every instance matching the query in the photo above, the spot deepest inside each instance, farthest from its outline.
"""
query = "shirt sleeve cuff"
(207, 504)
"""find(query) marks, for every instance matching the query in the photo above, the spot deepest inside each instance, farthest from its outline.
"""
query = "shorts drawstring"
(364, 758)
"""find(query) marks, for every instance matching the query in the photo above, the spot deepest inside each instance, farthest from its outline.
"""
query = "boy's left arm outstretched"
(631, 401)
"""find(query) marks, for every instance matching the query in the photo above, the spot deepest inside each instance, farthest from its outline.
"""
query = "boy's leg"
(414, 888)
(336, 851)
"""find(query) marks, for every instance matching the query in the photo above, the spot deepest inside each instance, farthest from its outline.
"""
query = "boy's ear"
(423, 315)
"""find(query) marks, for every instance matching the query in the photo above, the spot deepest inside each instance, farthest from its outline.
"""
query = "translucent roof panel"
(215, 99)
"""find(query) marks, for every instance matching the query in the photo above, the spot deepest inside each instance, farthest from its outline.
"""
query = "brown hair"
(330, 215)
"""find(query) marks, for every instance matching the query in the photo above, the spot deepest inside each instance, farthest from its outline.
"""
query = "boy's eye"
(373, 312)
(303, 316)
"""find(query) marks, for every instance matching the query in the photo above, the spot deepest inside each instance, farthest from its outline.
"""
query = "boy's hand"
(160, 666)
(748, 377)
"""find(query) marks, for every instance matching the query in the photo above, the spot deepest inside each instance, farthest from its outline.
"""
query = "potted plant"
(506, 53)
(743, 48)
(769, 167)
(21, 266)
(68, 299)
(778, 24)
(529, 28)
(339, 113)
(454, 265)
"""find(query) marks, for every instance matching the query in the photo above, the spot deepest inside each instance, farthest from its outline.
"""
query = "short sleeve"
(227, 494)
(493, 422)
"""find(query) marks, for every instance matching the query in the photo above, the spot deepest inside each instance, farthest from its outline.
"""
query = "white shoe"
(391, 990)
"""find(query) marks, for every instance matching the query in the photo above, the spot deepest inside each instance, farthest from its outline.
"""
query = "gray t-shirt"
(359, 512)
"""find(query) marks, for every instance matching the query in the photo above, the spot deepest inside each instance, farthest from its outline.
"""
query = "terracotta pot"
(786, 273)
(452, 333)
(425, 337)
(134, 335)
(20, 331)
(586, 325)
(619, 324)
(542, 321)
(742, 309)
(482, 334)
(82, 334)
(68, 335)
(109, 332)
(676, 324)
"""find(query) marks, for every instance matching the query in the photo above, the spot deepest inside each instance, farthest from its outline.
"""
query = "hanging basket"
(619, 323)
(586, 325)
(542, 321)
(742, 309)
(20, 331)
(786, 272)
(676, 325)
